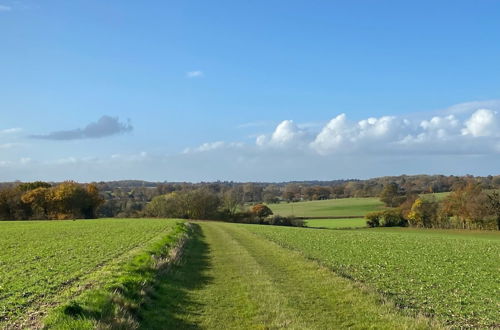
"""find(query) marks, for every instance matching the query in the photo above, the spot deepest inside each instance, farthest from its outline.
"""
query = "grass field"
(452, 275)
(343, 207)
(41, 259)
(336, 223)
(233, 279)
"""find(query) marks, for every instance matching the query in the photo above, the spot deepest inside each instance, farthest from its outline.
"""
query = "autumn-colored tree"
(494, 206)
(261, 211)
(40, 200)
(424, 213)
(468, 204)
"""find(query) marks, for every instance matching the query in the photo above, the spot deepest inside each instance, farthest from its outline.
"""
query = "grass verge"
(116, 304)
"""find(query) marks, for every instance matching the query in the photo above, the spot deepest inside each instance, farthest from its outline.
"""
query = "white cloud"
(469, 107)
(195, 74)
(449, 143)
(483, 122)
(211, 146)
(5, 8)
(286, 134)
(393, 135)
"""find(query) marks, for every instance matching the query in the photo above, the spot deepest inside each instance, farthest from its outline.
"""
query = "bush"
(373, 219)
(278, 220)
(386, 218)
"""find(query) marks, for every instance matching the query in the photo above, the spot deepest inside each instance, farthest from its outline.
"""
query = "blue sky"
(248, 90)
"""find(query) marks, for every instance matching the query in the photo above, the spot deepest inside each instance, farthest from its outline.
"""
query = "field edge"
(116, 303)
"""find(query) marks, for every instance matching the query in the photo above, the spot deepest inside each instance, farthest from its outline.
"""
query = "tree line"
(203, 204)
(128, 198)
(42, 200)
(468, 206)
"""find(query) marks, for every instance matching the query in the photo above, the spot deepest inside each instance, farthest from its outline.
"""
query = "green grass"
(338, 208)
(336, 223)
(233, 279)
(343, 207)
(452, 275)
(44, 262)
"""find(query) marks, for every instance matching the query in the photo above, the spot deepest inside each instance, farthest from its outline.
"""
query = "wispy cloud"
(5, 8)
(105, 126)
(194, 74)
(11, 130)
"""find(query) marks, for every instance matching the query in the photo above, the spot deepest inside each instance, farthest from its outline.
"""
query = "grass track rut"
(232, 279)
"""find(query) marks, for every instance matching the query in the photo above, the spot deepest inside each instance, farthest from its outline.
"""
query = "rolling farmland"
(343, 207)
(247, 276)
(42, 263)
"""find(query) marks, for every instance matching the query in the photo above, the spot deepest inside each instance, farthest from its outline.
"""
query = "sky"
(248, 90)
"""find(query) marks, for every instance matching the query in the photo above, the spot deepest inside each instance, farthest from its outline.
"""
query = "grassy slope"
(234, 279)
(336, 223)
(39, 260)
(343, 207)
(450, 274)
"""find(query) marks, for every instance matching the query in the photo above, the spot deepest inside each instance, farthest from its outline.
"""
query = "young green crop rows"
(451, 275)
(38, 259)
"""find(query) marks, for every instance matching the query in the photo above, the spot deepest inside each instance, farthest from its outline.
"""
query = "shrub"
(279, 220)
(386, 218)
(373, 219)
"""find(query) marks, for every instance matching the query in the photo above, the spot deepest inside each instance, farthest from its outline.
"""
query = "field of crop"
(452, 275)
(41, 259)
(343, 207)
(336, 223)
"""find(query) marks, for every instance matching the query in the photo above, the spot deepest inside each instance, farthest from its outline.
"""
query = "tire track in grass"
(233, 279)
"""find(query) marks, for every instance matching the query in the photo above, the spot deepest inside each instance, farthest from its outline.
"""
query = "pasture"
(336, 223)
(342, 207)
(42, 263)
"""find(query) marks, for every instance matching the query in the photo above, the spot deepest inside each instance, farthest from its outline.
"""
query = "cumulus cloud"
(105, 126)
(477, 133)
(483, 122)
(194, 74)
(286, 134)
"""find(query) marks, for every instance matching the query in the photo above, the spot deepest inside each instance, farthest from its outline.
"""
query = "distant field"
(39, 259)
(452, 275)
(336, 223)
(343, 207)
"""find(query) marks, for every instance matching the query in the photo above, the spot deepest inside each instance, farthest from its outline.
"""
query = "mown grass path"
(233, 279)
